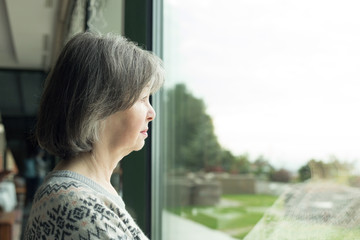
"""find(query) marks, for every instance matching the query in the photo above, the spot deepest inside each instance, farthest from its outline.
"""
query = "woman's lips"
(144, 133)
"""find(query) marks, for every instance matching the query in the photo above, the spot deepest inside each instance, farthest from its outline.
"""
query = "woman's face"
(126, 131)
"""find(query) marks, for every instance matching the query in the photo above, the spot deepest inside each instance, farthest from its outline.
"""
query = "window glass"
(261, 127)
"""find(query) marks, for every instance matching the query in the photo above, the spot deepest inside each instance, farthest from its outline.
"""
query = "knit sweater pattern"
(71, 206)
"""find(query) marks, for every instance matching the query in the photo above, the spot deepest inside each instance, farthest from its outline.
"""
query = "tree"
(240, 164)
(195, 145)
(227, 160)
(262, 168)
(243, 163)
(304, 173)
(281, 175)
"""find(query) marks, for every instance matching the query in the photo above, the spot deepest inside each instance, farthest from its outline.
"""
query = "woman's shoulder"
(56, 187)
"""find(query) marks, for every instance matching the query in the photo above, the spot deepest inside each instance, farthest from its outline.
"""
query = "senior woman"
(94, 110)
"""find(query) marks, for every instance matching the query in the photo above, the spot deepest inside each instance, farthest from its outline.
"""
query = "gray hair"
(95, 76)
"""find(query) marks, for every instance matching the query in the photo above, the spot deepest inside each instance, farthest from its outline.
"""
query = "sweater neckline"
(89, 182)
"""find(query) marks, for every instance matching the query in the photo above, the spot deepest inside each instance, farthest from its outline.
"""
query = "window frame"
(137, 169)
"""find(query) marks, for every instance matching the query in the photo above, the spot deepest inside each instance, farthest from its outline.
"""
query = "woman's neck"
(91, 166)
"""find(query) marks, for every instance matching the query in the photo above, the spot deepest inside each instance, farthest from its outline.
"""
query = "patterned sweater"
(71, 206)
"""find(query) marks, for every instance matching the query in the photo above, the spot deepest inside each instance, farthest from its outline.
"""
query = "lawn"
(236, 215)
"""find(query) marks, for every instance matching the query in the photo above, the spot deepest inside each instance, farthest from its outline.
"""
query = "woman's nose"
(151, 113)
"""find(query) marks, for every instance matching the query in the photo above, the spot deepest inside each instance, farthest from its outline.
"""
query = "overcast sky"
(280, 78)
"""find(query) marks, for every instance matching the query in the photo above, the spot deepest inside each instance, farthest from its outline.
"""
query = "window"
(259, 129)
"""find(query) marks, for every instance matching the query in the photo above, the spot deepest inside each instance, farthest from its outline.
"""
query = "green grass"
(253, 200)
(241, 218)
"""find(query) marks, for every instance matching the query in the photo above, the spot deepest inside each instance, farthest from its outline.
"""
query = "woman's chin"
(139, 146)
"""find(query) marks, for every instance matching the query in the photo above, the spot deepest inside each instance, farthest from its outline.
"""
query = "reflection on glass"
(261, 124)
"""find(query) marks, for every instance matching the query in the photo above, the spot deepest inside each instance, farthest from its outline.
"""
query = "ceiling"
(32, 32)
(27, 30)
